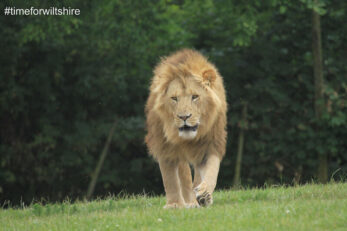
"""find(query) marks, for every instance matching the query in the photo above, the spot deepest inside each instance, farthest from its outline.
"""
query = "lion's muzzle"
(188, 132)
(186, 128)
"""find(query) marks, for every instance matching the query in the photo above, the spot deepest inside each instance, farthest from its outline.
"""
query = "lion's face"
(184, 100)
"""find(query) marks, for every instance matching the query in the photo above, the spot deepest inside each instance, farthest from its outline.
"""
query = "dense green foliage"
(65, 79)
(308, 207)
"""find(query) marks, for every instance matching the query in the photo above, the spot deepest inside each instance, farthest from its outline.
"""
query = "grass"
(308, 207)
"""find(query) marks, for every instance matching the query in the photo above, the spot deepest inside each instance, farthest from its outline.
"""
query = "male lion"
(186, 119)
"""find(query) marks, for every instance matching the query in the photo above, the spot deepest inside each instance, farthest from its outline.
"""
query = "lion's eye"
(194, 97)
(174, 98)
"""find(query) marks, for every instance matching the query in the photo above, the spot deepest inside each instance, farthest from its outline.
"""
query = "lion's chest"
(192, 153)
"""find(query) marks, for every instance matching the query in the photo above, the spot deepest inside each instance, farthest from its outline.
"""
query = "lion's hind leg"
(185, 176)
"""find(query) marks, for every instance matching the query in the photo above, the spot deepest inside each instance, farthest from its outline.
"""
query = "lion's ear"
(209, 76)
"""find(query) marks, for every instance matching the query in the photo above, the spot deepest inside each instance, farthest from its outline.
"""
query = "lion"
(186, 125)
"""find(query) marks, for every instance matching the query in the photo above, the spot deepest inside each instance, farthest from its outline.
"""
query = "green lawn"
(309, 207)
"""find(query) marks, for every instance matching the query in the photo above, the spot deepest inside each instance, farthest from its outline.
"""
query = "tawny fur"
(182, 74)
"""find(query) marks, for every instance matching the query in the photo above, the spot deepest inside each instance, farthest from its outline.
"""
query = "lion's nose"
(184, 117)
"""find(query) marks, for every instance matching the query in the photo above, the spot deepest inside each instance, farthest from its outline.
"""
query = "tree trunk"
(237, 176)
(102, 157)
(322, 173)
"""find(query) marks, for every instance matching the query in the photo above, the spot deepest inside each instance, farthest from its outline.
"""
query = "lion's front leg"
(208, 173)
(185, 176)
(169, 173)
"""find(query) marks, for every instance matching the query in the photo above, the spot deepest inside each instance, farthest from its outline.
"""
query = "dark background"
(64, 80)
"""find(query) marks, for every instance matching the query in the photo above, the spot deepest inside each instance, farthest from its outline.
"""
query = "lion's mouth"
(187, 128)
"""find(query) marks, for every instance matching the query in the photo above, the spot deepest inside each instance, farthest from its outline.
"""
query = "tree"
(319, 85)
(238, 163)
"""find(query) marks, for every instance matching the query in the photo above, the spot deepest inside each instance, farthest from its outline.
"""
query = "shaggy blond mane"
(183, 64)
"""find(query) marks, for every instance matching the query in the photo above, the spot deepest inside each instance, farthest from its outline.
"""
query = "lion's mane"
(162, 140)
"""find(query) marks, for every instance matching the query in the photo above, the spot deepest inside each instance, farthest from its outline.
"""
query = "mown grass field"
(308, 207)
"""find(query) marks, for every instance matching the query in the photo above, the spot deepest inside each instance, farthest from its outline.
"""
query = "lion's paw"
(203, 197)
(173, 206)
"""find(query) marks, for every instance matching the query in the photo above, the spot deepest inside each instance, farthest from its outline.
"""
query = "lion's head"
(187, 100)
(187, 95)
(183, 100)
